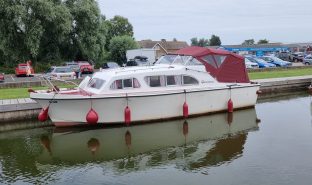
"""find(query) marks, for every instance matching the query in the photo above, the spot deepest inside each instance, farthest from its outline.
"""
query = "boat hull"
(147, 107)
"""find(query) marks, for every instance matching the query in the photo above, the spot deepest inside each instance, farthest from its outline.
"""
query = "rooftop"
(167, 45)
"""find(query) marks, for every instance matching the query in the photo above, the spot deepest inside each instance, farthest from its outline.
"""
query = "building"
(262, 49)
(162, 47)
(256, 49)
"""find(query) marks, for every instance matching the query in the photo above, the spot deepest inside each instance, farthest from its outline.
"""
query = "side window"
(155, 81)
(173, 80)
(188, 80)
(96, 83)
(136, 83)
(125, 83)
(219, 59)
(210, 60)
(117, 84)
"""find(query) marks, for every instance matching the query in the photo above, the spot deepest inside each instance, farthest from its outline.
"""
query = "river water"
(270, 144)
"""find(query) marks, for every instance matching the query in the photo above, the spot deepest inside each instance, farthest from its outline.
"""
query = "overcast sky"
(233, 20)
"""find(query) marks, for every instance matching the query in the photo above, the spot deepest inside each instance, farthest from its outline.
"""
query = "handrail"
(50, 84)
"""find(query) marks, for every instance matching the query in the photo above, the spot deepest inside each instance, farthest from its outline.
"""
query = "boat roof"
(221, 64)
(140, 70)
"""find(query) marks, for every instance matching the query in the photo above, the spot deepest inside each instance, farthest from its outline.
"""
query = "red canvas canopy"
(223, 65)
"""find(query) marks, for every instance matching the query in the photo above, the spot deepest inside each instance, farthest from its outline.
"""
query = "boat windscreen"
(166, 59)
(181, 60)
(174, 59)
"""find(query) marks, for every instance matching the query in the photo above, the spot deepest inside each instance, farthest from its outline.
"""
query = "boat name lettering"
(206, 81)
(52, 101)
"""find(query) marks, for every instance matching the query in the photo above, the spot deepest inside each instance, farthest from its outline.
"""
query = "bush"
(7, 70)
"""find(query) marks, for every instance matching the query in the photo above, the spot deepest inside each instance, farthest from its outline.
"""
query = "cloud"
(233, 20)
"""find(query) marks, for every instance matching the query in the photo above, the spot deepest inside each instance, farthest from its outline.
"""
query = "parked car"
(2, 77)
(296, 57)
(260, 62)
(278, 62)
(284, 55)
(138, 61)
(21, 70)
(307, 60)
(110, 65)
(85, 67)
(250, 65)
(73, 65)
(134, 62)
(63, 73)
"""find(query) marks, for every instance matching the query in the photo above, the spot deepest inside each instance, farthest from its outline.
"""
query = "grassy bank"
(14, 93)
(280, 73)
(17, 92)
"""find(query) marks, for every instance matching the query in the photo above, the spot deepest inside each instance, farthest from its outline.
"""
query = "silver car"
(307, 60)
(62, 73)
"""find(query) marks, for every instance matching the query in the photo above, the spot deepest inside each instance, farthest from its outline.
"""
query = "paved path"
(18, 104)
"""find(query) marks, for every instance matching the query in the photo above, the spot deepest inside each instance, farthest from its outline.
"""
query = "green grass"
(14, 93)
(17, 92)
(280, 73)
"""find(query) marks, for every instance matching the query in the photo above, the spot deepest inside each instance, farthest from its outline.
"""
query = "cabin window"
(209, 59)
(125, 83)
(155, 81)
(188, 80)
(96, 83)
(194, 62)
(173, 80)
(219, 59)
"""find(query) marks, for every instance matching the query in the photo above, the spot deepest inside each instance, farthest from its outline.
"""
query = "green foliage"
(248, 42)
(214, 41)
(117, 26)
(263, 41)
(47, 31)
(118, 47)
(201, 42)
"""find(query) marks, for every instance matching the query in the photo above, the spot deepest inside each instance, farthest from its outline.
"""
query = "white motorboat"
(193, 81)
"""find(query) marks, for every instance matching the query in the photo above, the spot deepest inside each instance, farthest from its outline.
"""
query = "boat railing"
(49, 82)
(143, 69)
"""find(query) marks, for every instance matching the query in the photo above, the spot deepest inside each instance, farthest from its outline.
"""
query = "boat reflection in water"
(190, 144)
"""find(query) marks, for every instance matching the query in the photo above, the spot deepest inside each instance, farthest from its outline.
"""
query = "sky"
(287, 21)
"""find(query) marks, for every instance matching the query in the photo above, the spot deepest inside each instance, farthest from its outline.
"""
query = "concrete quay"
(286, 84)
(18, 109)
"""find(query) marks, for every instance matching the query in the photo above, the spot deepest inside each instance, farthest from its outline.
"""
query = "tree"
(175, 40)
(201, 42)
(248, 42)
(119, 46)
(214, 41)
(117, 26)
(47, 30)
(194, 41)
(263, 41)
(87, 40)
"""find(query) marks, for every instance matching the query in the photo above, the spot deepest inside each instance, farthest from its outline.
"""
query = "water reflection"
(189, 145)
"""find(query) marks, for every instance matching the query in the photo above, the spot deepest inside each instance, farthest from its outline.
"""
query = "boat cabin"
(148, 78)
